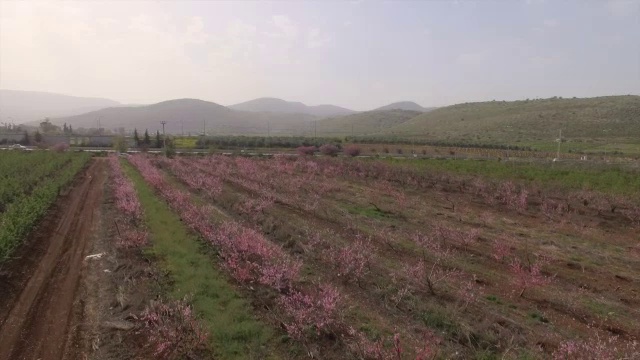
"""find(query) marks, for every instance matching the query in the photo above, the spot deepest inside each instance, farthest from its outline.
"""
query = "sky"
(357, 54)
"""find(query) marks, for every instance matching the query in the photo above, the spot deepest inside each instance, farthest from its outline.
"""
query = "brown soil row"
(38, 307)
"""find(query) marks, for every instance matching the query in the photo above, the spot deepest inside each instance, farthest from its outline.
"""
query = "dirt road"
(38, 288)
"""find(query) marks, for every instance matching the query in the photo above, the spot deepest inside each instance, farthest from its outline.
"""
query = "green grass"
(592, 147)
(435, 319)
(606, 178)
(235, 333)
(539, 317)
(185, 142)
(368, 211)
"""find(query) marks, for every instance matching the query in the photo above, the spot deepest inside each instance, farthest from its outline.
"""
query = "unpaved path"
(38, 288)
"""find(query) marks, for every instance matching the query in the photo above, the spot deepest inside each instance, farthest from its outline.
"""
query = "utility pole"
(269, 132)
(204, 127)
(164, 138)
(559, 142)
(182, 127)
(315, 130)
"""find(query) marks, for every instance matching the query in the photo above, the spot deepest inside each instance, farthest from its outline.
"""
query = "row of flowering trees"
(319, 175)
(131, 231)
(171, 328)
(353, 260)
(253, 260)
(298, 182)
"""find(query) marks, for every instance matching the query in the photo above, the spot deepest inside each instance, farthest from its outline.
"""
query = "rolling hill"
(529, 121)
(290, 107)
(190, 115)
(28, 106)
(364, 123)
(404, 105)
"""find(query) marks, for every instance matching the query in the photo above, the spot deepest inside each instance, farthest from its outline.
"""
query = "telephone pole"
(164, 138)
(559, 142)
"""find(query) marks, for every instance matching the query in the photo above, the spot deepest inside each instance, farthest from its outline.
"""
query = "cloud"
(378, 86)
(547, 25)
(316, 39)
(195, 31)
(611, 40)
(473, 58)
(137, 52)
(285, 26)
(547, 60)
(623, 8)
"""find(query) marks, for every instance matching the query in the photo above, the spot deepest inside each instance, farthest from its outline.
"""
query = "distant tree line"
(405, 141)
(146, 141)
(230, 142)
(239, 141)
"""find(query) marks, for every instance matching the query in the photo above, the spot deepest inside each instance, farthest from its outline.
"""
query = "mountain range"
(258, 116)
(189, 116)
(25, 106)
(524, 122)
(290, 107)
(32, 107)
(404, 105)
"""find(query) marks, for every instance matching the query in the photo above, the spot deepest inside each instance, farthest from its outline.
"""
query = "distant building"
(11, 138)
(55, 139)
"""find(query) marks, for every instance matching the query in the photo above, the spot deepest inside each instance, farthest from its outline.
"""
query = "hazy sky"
(359, 54)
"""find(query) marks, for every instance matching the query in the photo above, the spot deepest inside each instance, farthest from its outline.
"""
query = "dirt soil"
(40, 308)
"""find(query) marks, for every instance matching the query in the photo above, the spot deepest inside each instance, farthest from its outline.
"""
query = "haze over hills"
(364, 123)
(190, 116)
(282, 106)
(27, 106)
(405, 105)
(499, 122)
(187, 115)
(528, 121)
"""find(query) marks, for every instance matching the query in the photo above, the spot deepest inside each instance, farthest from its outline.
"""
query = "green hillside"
(586, 124)
(364, 123)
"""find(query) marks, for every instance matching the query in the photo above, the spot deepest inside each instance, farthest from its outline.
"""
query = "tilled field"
(40, 283)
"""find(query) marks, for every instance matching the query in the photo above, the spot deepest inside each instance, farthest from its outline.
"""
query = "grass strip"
(235, 333)
(605, 178)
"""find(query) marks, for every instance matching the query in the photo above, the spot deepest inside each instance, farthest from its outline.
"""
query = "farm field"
(38, 282)
(372, 259)
(322, 257)
(29, 183)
